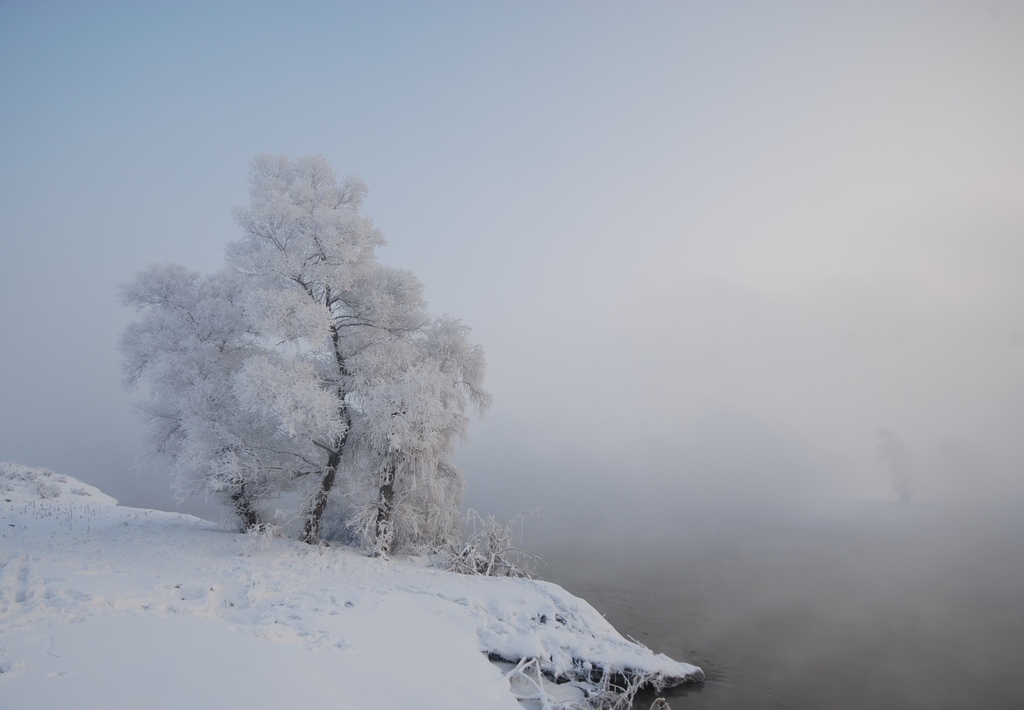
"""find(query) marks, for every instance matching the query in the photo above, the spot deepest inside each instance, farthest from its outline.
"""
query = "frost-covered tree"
(414, 398)
(311, 344)
(189, 345)
(305, 253)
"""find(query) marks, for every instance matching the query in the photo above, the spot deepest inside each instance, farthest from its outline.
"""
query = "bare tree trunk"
(311, 534)
(243, 509)
(384, 501)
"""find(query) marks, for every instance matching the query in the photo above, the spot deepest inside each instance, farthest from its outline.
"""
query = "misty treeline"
(305, 376)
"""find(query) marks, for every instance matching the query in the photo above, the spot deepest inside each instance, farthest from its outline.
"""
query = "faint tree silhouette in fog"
(893, 455)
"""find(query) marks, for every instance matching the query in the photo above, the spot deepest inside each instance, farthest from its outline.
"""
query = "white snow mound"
(103, 606)
(24, 484)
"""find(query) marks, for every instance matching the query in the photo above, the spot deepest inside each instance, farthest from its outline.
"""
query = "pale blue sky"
(699, 241)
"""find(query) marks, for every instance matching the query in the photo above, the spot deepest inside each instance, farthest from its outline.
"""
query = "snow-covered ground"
(103, 606)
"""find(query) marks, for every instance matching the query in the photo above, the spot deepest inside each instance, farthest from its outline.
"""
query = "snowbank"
(107, 606)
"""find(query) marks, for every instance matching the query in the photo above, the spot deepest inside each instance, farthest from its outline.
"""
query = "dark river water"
(872, 605)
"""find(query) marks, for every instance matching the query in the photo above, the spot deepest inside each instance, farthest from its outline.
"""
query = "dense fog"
(729, 262)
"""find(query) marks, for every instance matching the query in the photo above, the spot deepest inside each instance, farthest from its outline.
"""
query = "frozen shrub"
(489, 549)
(48, 490)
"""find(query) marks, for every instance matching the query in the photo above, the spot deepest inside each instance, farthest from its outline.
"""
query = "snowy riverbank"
(106, 606)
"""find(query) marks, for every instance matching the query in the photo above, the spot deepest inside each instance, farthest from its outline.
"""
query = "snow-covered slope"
(103, 606)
